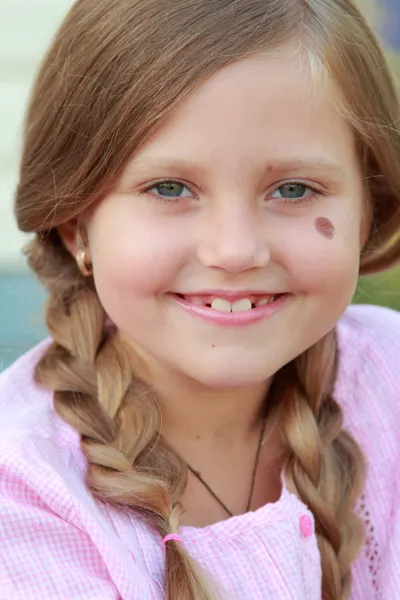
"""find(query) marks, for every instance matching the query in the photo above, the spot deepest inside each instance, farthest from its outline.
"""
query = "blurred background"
(26, 28)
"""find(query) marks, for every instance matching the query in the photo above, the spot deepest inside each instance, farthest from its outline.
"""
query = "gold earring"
(85, 267)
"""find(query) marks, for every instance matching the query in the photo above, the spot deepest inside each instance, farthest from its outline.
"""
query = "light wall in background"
(26, 28)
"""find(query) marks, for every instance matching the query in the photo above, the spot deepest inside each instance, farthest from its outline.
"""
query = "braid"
(118, 418)
(325, 467)
(130, 465)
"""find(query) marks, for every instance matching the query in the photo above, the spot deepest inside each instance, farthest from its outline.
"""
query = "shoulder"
(368, 384)
(376, 327)
(35, 443)
(17, 385)
(47, 514)
(369, 353)
(368, 389)
(26, 408)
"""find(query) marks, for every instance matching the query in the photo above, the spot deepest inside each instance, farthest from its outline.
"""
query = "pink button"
(306, 526)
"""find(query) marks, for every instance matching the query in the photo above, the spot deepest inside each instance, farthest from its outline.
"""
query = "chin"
(230, 376)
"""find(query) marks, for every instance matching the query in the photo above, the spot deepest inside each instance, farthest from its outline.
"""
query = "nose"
(234, 240)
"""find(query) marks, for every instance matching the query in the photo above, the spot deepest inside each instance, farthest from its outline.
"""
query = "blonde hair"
(114, 72)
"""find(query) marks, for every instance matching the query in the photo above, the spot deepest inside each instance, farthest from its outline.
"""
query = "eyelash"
(305, 201)
(166, 199)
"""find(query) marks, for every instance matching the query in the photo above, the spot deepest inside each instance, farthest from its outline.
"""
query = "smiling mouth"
(231, 306)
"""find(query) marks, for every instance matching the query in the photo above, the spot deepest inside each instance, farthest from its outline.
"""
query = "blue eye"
(170, 189)
(293, 192)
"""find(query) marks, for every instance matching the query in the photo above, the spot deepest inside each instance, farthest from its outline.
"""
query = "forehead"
(266, 107)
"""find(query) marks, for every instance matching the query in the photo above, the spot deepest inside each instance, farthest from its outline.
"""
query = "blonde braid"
(131, 465)
(326, 467)
(118, 418)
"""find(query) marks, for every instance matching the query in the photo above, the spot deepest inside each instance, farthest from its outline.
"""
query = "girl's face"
(221, 205)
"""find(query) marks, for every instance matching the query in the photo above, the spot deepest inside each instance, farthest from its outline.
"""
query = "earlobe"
(74, 238)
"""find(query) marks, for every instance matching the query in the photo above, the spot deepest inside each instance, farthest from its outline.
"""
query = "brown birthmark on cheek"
(325, 227)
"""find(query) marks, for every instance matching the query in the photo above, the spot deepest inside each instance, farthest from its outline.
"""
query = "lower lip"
(245, 317)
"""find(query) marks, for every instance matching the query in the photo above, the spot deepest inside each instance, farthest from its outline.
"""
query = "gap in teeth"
(242, 305)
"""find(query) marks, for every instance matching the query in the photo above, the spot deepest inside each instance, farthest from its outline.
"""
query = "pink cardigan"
(58, 543)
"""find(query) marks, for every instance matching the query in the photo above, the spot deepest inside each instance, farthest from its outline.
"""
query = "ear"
(74, 237)
(366, 224)
(68, 232)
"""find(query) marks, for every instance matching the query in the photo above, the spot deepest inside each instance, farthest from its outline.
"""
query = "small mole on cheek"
(325, 227)
(213, 346)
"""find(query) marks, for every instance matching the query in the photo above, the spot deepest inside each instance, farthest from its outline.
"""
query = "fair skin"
(230, 225)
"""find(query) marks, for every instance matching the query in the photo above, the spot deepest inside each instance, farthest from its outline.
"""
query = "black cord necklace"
(253, 478)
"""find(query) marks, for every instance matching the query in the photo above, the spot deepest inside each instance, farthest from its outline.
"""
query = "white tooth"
(221, 305)
(263, 302)
(241, 305)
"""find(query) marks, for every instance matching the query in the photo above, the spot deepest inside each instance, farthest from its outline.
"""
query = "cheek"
(325, 227)
(319, 263)
(133, 257)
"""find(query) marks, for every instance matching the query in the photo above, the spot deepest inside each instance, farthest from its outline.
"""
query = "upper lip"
(229, 294)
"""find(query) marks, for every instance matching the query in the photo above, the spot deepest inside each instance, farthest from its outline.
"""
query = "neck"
(212, 415)
(192, 412)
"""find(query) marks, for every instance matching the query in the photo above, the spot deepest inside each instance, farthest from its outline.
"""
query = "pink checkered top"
(58, 543)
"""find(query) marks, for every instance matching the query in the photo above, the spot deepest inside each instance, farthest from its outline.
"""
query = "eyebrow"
(166, 164)
(313, 165)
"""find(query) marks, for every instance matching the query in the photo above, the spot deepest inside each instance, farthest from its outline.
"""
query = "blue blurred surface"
(390, 29)
(21, 315)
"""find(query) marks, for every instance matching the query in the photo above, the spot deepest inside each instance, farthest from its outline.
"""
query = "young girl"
(206, 179)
